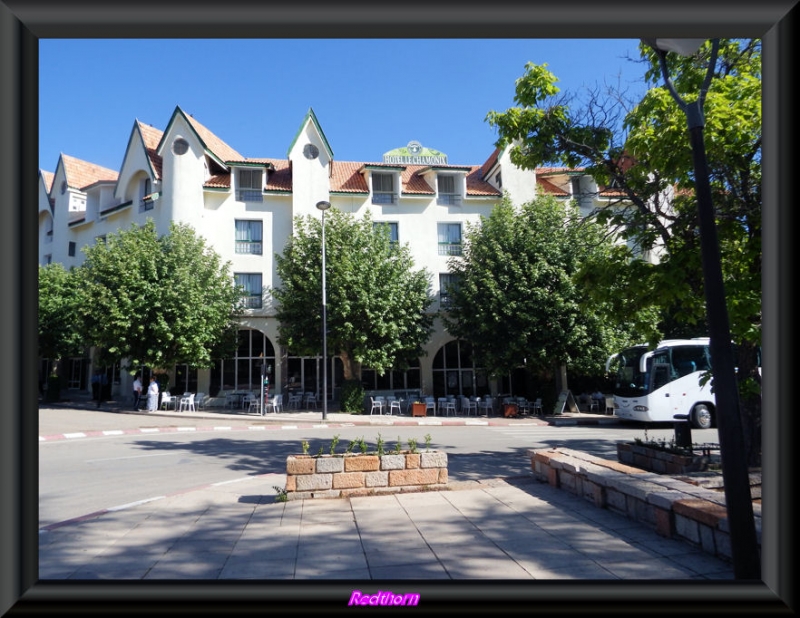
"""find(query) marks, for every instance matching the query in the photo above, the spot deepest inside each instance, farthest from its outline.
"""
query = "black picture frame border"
(23, 23)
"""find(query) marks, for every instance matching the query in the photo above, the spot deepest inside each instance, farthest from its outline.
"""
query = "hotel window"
(499, 180)
(249, 186)
(248, 237)
(383, 188)
(448, 196)
(71, 248)
(447, 285)
(392, 227)
(147, 202)
(251, 283)
(449, 238)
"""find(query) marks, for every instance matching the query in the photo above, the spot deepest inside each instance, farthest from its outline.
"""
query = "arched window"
(455, 373)
(243, 371)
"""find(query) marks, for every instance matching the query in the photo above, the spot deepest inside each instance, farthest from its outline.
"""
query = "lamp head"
(323, 205)
(684, 47)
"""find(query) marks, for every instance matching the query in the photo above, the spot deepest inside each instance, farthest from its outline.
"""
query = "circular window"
(310, 151)
(180, 146)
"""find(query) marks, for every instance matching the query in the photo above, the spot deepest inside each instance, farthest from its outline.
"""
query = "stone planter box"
(657, 460)
(338, 476)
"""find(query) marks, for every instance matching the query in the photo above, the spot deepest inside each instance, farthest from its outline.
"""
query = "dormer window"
(448, 194)
(383, 190)
(249, 185)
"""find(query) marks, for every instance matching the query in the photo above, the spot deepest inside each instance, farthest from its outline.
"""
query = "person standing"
(96, 387)
(152, 395)
(137, 392)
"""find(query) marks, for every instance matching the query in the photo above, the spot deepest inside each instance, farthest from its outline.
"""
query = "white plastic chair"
(468, 405)
(376, 405)
(394, 404)
(446, 406)
(295, 399)
(274, 404)
(486, 404)
(249, 401)
(430, 404)
(310, 400)
(253, 403)
(187, 403)
(537, 407)
(200, 400)
(167, 400)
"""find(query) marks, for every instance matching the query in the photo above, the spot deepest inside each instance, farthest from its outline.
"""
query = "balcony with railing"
(249, 195)
(252, 247)
(449, 199)
(381, 197)
(450, 248)
(253, 301)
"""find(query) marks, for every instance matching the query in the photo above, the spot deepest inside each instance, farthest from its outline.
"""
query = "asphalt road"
(85, 475)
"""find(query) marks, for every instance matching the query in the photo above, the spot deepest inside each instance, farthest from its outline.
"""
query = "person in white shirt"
(152, 395)
(137, 392)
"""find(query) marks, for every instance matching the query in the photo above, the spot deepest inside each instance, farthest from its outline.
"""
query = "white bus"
(655, 385)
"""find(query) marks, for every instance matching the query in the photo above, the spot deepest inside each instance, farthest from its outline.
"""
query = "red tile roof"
(557, 170)
(489, 163)
(48, 178)
(81, 173)
(220, 149)
(346, 178)
(152, 137)
(218, 181)
(549, 187)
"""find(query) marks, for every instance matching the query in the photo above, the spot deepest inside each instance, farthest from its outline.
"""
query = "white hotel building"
(245, 208)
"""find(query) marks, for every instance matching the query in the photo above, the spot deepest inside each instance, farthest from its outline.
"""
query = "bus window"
(661, 375)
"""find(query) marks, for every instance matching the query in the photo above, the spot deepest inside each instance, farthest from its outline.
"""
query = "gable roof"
(151, 138)
(80, 174)
(549, 187)
(47, 178)
(311, 116)
(212, 145)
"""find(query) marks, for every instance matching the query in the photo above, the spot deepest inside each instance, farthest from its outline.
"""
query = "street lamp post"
(323, 206)
(744, 544)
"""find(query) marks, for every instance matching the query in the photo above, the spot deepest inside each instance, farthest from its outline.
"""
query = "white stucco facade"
(186, 173)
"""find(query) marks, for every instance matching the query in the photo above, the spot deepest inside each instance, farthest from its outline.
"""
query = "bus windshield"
(629, 379)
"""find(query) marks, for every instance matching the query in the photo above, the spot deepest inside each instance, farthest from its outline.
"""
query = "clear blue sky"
(370, 95)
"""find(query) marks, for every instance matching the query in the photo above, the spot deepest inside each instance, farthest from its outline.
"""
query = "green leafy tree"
(516, 299)
(376, 301)
(157, 301)
(59, 303)
(643, 149)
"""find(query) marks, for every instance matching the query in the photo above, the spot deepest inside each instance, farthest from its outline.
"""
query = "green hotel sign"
(415, 154)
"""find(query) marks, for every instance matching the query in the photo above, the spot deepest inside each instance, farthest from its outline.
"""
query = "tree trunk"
(561, 378)
(350, 367)
(750, 402)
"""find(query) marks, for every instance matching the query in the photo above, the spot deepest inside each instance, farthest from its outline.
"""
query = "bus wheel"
(701, 417)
